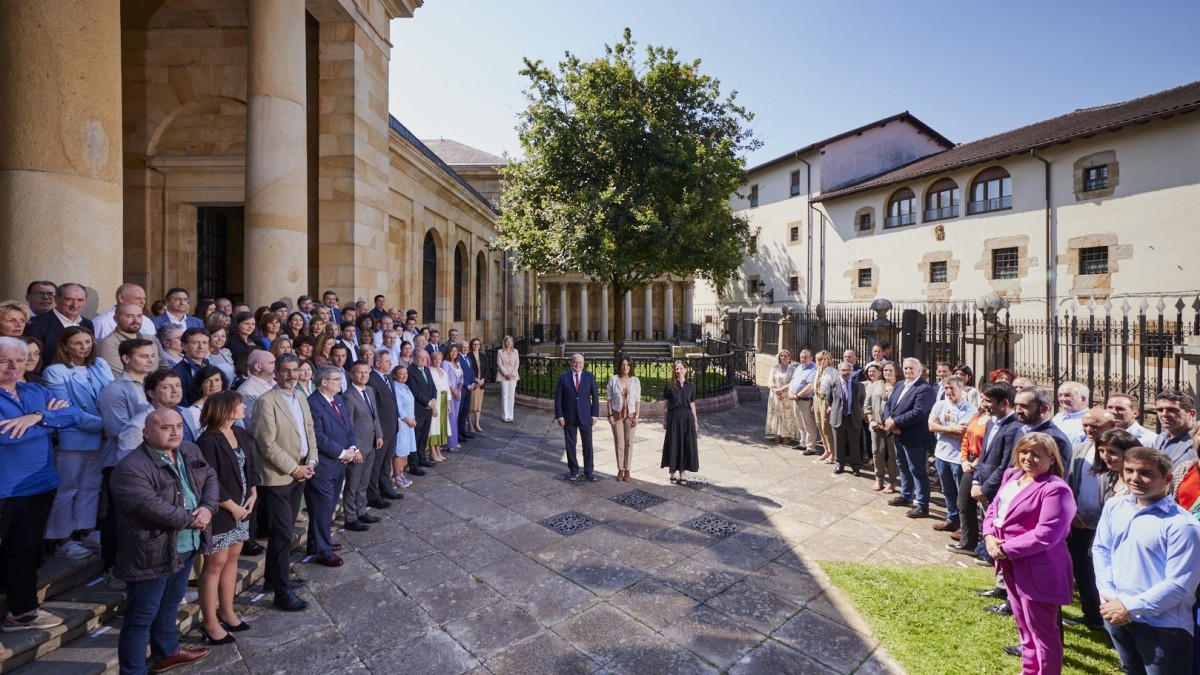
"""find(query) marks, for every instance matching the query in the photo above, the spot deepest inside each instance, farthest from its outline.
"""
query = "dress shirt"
(342, 414)
(106, 323)
(996, 424)
(1146, 558)
(1071, 424)
(293, 403)
(1144, 435)
(1178, 448)
(905, 386)
(1089, 491)
(804, 376)
(78, 321)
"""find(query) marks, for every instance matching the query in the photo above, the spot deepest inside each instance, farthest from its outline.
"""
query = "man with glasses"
(67, 311)
(1177, 412)
(177, 312)
(40, 296)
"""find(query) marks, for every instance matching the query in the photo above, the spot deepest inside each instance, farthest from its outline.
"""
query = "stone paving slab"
(463, 577)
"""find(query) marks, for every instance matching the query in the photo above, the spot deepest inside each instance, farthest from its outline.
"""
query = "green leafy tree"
(627, 173)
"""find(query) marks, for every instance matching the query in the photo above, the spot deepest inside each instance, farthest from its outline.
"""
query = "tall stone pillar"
(545, 308)
(628, 315)
(61, 204)
(276, 153)
(669, 324)
(583, 312)
(688, 309)
(562, 310)
(603, 312)
(648, 317)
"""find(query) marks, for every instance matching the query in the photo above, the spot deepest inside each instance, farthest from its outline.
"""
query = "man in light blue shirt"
(1177, 413)
(1145, 555)
(801, 390)
(947, 421)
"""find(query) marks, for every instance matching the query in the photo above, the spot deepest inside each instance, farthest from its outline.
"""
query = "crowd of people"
(1082, 499)
(167, 441)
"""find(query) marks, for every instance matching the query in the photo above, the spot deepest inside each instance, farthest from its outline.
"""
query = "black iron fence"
(1130, 348)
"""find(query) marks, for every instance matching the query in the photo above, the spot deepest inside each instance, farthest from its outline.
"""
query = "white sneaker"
(113, 582)
(189, 598)
(404, 481)
(38, 619)
(72, 550)
(92, 541)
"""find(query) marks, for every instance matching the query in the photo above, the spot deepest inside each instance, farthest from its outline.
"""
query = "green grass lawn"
(931, 622)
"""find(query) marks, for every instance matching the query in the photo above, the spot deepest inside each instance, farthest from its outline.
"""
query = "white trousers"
(508, 397)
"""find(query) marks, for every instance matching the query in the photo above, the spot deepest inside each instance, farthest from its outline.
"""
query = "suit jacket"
(837, 403)
(389, 415)
(278, 438)
(576, 407)
(1048, 427)
(46, 328)
(911, 413)
(334, 432)
(363, 420)
(469, 373)
(1035, 538)
(997, 455)
(423, 389)
(354, 353)
(251, 390)
(220, 456)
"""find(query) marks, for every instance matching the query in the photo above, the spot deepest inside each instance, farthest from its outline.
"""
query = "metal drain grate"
(569, 523)
(715, 525)
(638, 499)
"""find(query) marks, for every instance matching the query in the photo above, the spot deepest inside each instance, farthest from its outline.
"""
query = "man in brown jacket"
(165, 495)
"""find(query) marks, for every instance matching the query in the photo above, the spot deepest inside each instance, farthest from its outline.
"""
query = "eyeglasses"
(43, 294)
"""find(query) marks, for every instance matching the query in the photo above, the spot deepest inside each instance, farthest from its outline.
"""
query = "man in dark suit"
(379, 487)
(907, 417)
(363, 409)
(1033, 410)
(577, 408)
(469, 383)
(999, 439)
(335, 443)
(425, 400)
(845, 398)
(68, 304)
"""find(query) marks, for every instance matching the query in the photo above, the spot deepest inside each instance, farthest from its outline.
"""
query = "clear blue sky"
(806, 69)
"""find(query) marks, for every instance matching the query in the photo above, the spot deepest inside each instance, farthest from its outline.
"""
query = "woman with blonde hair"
(781, 412)
(439, 429)
(880, 382)
(13, 318)
(826, 376)
(508, 367)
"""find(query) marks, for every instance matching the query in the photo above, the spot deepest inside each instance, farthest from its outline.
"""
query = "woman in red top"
(1185, 485)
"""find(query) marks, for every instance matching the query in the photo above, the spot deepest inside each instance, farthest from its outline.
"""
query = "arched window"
(990, 191)
(460, 280)
(902, 209)
(480, 276)
(941, 201)
(429, 281)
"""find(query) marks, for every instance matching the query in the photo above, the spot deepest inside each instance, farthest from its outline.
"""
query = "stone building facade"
(232, 147)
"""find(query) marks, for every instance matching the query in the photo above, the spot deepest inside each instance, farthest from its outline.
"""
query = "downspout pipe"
(1051, 270)
(808, 249)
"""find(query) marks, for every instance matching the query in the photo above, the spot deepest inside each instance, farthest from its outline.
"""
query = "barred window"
(864, 277)
(794, 233)
(794, 284)
(864, 222)
(1005, 263)
(1093, 260)
(938, 272)
(1095, 178)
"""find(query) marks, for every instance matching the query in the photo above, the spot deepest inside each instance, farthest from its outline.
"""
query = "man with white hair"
(127, 294)
(906, 415)
(1072, 403)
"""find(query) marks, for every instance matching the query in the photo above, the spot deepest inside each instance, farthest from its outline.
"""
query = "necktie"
(333, 402)
(576, 381)
(367, 400)
(846, 393)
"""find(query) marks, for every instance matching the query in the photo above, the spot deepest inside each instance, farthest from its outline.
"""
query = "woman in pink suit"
(1026, 533)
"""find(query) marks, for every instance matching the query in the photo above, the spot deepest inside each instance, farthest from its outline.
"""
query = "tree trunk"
(617, 305)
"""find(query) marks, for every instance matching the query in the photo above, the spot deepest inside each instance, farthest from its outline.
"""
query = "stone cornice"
(434, 177)
(402, 9)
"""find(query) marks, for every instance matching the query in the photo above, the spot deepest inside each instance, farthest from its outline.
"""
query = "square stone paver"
(450, 537)
(433, 652)
(641, 524)
(514, 575)
(659, 655)
(480, 553)
(773, 658)
(602, 575)
(827, 641)
(713, 635)
(682, 540)
(554, 600)
(700, 580)
(759, 609)
(396, 552)
(417, 575)
(603, 632)
(528, 537)
(493, 629)
(654, 603)
(544, 654)
(797, 585)
(372, 614)
(324, 651)
(456, 598)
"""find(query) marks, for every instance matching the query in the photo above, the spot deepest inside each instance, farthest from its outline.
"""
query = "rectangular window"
(795, 189)
(1093, 260)
(752, 287)
(754, 243)
(1005, 263)
(864, 277)
(864, 222)
(937, 272)
(794, 233)
(753, 196)
(1095, 178)
(793, 284)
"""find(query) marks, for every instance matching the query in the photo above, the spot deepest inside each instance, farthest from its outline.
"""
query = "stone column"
(603, 312)
(61, 203)
(669, 326)
(545, 308)
(649, 313)
(628, 315)
(688, 309)
(583, 312)
(276, 153)
(562, 310)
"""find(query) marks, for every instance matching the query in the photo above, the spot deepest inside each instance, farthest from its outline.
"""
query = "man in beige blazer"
(287, 456)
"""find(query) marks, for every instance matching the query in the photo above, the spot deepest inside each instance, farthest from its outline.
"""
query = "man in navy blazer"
(577, 409)
(907, 417)
(420, 382)
(335, 442)
(469, 382)
(69, 301)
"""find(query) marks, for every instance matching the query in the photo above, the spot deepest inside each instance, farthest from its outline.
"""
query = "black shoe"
(1013, 650)
(378, 504)
(592, 478)
(427, 464)
(311, 551)
(857, 472)
(998, 593)
(839, 469)
(1002, 609)
(466, 437)
(415, 471)
(356, 526)
(208, 639)
(573, 477)
(295, 582)
(899, 501)
(389, 493)
(243, 626)
(968, 550)
(369, 519)
(253, 548)
(289, 602)
(917, 512)
(810, 452)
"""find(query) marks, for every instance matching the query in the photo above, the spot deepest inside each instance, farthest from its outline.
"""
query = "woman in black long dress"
(680, 453)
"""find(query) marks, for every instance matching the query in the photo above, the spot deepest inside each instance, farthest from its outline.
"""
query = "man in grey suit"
(846, 397)
(363, 408)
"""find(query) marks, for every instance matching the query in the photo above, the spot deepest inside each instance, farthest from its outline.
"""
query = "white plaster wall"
(849, 160)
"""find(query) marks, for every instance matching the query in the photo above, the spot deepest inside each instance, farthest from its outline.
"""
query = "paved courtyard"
(464, 576)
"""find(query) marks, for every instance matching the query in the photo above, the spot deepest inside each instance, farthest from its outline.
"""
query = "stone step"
(57, 575)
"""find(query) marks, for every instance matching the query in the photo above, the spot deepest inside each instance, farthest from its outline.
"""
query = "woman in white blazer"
(624, 395)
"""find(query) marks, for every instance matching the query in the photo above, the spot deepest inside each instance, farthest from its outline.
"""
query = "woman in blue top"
(77, 375)
(406, 437)
(29, 415)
